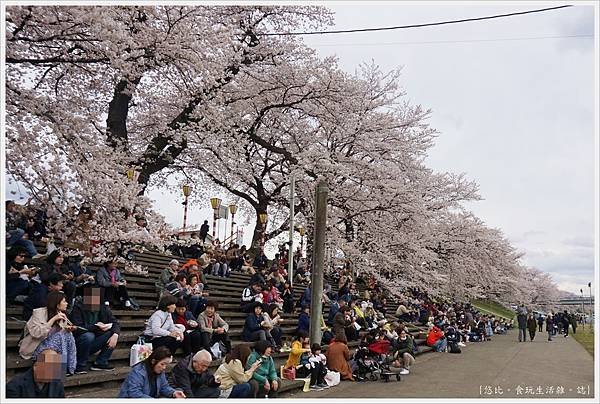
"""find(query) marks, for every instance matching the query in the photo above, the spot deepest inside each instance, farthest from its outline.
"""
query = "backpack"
(453, 347)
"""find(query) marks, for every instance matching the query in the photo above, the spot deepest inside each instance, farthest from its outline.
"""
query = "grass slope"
(494, 308)
(585, 338)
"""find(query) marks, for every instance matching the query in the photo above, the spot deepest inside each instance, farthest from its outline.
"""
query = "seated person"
(338, 356)
(273, 323)
(220, 267)
(266, 374)
(181, 290)
(18, 274)
(235, 382)
(55, 263)
(298, 350)
(436, 339)
(213, 328)
(182, 316)
(403, 354)
(403, 313)
(250, 296)
(49, 328)
(259, 277)
(272, 296)
(333, 309)
(167, 276)
(147, 378)
(83, 276)
(304, 320)
(42, 380)
(160, 329)
(109, 278)
(191, 375)
(288, 298)
(16, 223)
(38, 294)
(197, 294)
(98, 330)
(255, 326)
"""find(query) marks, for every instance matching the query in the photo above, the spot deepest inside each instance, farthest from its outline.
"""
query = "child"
(312, 362)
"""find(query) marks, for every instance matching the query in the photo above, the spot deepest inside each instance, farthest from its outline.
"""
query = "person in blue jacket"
(147, 379)
(306, 297)
(304, 320)
(254, 329)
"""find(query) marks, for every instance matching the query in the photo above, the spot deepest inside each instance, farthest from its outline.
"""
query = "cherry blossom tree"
(201, 94)
(94, 91)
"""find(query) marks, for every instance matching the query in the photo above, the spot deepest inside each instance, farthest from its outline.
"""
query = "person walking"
(522, 322)
(549, 326)
(204, 231)
(540, 321)
(531, 326)
(565, 323)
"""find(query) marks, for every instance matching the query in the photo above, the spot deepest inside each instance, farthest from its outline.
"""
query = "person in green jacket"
(167, 275)
(404, 351)
(266, 374)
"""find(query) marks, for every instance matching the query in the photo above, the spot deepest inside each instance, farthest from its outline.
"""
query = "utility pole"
(583, 307)
(291, 246)
(316, 283)
(591, 304)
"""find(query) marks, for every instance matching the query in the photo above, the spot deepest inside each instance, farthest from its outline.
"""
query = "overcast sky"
(517, 116)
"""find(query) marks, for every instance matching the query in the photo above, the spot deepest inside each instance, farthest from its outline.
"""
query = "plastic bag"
(332, 378)
(139, 351)
(216, 350)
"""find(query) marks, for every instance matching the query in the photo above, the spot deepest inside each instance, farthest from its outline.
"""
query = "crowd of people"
(69, 317)
(552, 323)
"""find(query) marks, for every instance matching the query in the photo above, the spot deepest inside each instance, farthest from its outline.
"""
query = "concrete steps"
(226, 291)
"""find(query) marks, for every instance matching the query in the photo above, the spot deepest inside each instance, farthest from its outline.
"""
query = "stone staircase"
(226, 291)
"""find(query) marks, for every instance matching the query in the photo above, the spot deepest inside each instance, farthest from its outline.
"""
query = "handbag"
(139, 351)
(289, 373)
(332, 378)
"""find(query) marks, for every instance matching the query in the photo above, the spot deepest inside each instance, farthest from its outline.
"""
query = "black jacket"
(23, 386)
(48, 269)
(38, 295)
(80, 317)
(194, 384)
(203, 230)
(522, 321)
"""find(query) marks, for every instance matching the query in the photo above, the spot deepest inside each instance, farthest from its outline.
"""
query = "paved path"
(502, 363)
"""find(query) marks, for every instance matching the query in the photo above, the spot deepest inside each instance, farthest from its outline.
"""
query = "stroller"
(366, 365)
(371, 360)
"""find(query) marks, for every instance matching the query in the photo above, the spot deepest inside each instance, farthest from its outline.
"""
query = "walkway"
(502, 368)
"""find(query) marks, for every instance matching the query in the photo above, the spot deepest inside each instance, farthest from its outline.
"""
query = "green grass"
(494, 308)
(585, 338)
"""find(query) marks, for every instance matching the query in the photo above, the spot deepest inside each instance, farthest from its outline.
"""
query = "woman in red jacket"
(436, 339)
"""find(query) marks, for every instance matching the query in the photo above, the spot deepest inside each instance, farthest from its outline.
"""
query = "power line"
(429, 24)
(455, 41)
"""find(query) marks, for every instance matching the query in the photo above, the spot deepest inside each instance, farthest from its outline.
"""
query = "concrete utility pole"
(291, 247)
(316, 283)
